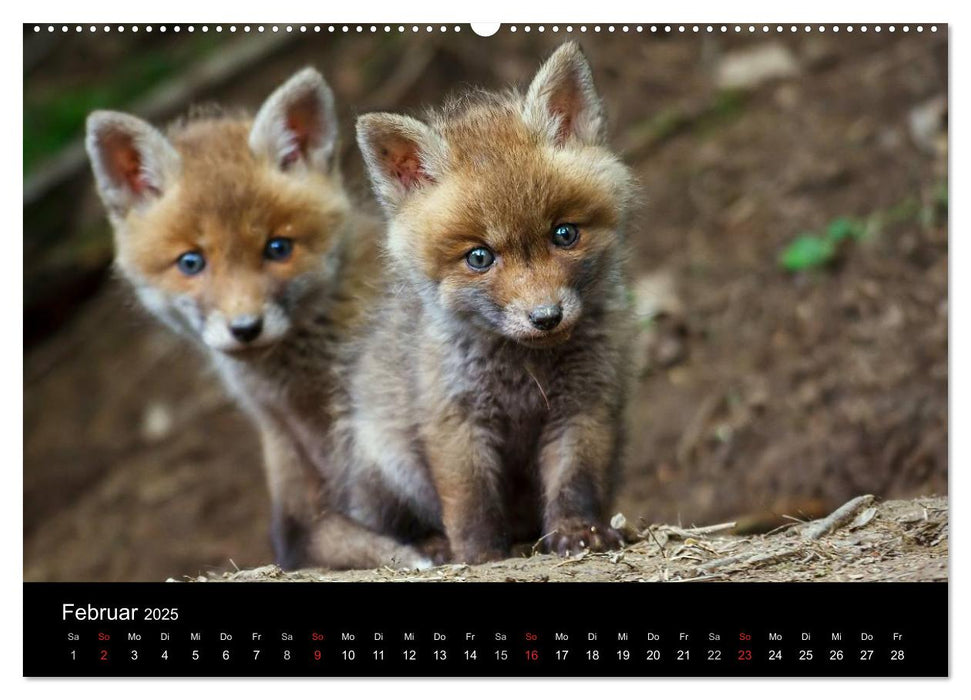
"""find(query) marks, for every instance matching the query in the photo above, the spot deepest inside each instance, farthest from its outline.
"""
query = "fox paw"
(575, 535)
(410, 559)
(436, 548)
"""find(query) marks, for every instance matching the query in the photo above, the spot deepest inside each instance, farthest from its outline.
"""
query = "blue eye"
(480, 258)
(565, 235)
(278, 249)
(191, 263)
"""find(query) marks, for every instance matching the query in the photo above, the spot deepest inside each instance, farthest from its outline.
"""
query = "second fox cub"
(490, 397)
(238, 233)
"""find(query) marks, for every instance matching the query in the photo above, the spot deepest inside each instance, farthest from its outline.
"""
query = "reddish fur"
(490, 197)
(229, 203)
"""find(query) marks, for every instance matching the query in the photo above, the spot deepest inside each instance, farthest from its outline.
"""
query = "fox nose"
(246, 328)
(546, 318)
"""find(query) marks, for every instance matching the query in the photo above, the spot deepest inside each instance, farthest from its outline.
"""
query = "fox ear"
(297, 124)
(132, 161)
(562, 100)
(401, 155)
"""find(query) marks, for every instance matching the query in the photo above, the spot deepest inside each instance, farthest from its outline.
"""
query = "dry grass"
(866, 541)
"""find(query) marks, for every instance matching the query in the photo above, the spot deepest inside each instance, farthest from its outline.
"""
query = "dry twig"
(837, 519)
(685, 533)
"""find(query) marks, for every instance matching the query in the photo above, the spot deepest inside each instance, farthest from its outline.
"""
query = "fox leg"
(465, 468)
(294, 495)
(304, 533)
(576, 462)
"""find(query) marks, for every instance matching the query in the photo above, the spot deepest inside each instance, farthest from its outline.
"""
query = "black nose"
(547, 317)
(246, 328)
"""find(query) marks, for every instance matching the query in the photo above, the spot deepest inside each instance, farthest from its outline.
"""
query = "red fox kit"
(238, 234)
(490, 397)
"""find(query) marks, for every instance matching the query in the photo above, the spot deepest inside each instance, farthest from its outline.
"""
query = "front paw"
(436, 548)
(574, 535)
(410, 559)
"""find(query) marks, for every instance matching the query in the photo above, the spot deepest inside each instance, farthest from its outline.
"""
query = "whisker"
(540, 386)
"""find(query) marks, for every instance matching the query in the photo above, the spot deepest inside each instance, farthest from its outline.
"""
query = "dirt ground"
(890, 541)
(764, 392)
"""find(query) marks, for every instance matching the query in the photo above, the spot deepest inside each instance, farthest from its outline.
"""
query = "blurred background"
(789, 257)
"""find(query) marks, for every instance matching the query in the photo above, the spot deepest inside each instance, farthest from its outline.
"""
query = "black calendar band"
(486, 629)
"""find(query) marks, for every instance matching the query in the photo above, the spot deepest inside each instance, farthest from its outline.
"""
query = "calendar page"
(650, 316)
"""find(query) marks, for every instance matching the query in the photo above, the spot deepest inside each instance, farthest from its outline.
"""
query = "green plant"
(54, 114)
(815, 250)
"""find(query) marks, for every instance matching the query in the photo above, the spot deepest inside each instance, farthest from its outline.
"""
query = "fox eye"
(191, 263)
(278, 249)
(565, 235)
(480, 258)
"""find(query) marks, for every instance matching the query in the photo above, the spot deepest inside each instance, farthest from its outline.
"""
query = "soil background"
(763, 392)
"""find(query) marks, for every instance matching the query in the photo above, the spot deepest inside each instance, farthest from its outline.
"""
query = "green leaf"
(807, 252)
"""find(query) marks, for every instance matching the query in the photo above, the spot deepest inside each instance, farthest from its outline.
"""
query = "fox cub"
(489, 398)
(238, 234)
